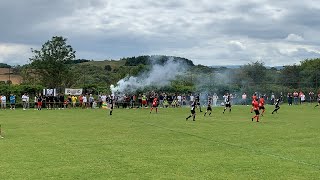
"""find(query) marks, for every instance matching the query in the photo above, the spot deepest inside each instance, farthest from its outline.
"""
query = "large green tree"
(310, 72)
(254, 72)
(51, 63)
(290, 76)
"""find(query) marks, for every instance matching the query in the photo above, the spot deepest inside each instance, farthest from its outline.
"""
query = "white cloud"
(14, 53)
(237, 45)
(294, 37)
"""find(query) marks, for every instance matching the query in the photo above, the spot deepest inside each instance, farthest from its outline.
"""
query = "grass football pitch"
(134, 144)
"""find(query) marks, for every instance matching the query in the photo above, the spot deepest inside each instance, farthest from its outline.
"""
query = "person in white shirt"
(179, 100)
(302, 98)
(24, 101)
(214, 99)
(91, 100)
(3, 102)
(191, 98)
(104, 98)
(227, 98)
(85, 101)
(94, 105)
(244, 99)
(272, 98)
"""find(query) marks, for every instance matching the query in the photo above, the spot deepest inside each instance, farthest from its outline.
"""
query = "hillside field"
(14, 78)
(134, 144)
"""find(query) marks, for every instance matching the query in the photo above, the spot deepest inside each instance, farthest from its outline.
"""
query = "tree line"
(55, 66)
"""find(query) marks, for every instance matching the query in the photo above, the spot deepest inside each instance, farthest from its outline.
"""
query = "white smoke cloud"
(158, 76)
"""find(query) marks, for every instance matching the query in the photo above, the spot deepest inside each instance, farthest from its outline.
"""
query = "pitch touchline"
(241, 147)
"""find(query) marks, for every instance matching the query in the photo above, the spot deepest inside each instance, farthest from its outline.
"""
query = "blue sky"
(209, 32)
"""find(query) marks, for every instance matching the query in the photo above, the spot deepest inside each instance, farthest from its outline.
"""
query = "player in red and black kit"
(261, 105)
(154, 104)
(255, 104)
(318, 101)
(254, 98)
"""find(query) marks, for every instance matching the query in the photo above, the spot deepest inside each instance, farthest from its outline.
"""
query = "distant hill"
(4, 65)
(112, 63)
(78, 61)
(154, 59)
(125, 64)
(238, 66)
(135, 61)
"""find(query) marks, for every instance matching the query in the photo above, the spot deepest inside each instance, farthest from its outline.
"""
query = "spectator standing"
(84, 101)
(69, 101)
(3, 102)
(184, 100)
(74, 101)
(215, 99)
(289, 99)
(99, 103)
(56, 102)
(295, 97)
(91, 99)
(244, 99)
(161, 98)
(40, 100)
(61, 101)
(81, 101)
(24, 101)
(12, 102)
(302, 97)
(191, 98)
(311, 96)
(179, 98)
(133, 100)
(272, 98)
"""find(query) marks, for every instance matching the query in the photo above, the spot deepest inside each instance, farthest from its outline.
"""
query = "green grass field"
(133, 144)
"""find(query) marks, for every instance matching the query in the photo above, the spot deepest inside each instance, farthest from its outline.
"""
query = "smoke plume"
(160, 75)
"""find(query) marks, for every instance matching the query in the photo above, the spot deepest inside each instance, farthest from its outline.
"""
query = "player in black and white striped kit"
(198, 102)
(227, 102)
(110, 101)
(193, 111)
(276, 106)
(209, 108)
